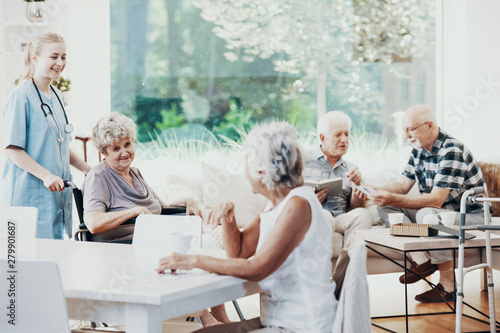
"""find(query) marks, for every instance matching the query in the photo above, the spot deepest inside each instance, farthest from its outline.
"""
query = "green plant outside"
(192, 143)
(62, 84)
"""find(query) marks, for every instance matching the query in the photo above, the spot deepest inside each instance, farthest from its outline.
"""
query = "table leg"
(142, 319)
(406, 269)
(452, 308)
(406, 292)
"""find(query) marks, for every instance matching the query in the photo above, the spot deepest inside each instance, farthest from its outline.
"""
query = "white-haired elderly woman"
(286, 248)
(114, 191)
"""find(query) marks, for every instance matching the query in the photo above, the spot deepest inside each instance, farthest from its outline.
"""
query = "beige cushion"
(223, 184)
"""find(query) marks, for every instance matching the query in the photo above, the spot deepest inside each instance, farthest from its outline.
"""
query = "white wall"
(88, 47)
(85, 27)
(471, 75)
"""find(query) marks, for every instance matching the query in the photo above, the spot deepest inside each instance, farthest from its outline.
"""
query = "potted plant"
(64, 85)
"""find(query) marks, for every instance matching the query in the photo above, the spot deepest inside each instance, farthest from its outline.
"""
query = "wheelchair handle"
(68, 183)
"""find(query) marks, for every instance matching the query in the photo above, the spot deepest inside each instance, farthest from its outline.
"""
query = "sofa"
(220, 177)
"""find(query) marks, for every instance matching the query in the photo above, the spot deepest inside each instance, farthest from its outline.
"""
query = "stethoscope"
(68, 128)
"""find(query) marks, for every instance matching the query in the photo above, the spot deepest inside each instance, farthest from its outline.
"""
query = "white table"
(382, 237)
(107, 283)
(410, 244)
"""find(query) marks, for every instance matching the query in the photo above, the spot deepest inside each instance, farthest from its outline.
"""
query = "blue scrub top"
(25, 126)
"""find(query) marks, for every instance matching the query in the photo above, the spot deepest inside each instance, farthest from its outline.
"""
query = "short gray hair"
(112, 128)
(274, 149)
(326, 121)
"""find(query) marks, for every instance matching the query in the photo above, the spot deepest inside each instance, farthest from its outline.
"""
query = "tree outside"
(227, 65)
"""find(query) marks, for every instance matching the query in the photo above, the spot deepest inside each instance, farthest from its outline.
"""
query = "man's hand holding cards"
(366, 190)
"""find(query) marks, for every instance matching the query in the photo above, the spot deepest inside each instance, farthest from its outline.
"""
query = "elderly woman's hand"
(192, 208)
(141, 210)
(223, 212)
(176, 261)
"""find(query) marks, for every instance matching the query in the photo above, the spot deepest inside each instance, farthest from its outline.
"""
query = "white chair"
(152, 234)
(152, 230)
(40, 305)
(25, 219)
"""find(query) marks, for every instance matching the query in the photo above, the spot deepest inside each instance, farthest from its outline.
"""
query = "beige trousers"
(348, 223)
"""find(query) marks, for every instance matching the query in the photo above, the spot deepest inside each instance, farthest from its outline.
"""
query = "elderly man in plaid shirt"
(443, 168)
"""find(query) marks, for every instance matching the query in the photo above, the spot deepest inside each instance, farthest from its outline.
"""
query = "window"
(225, 65)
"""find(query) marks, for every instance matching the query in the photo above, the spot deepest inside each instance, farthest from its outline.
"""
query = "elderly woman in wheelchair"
(114, 191)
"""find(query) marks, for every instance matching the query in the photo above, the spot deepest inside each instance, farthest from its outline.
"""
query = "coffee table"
(405, 245)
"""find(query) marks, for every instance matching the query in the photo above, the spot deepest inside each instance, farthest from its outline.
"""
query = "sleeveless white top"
(299, 295)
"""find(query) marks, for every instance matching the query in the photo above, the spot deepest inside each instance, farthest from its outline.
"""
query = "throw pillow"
(228, 183)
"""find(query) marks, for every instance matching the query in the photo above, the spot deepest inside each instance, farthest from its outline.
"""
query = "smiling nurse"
(36, 135)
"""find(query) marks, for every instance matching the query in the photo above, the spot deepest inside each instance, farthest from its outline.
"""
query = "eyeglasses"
(413, 129)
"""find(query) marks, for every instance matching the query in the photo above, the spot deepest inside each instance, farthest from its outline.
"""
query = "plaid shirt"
(448, 165)
(317, 167)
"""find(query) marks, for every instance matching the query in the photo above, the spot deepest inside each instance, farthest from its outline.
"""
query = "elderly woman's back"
(299, 294)
(287, 247)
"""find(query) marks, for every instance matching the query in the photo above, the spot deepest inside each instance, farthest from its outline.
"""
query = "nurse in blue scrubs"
(36, 135)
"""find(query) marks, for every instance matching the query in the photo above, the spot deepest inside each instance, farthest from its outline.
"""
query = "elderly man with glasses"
(443, 169)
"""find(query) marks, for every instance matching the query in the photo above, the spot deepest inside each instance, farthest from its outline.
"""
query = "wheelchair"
(110, 236)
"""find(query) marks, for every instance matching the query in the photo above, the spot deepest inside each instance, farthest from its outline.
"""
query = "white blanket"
(353, 311)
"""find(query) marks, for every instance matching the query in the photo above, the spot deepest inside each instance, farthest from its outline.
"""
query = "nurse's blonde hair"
(35, 47)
